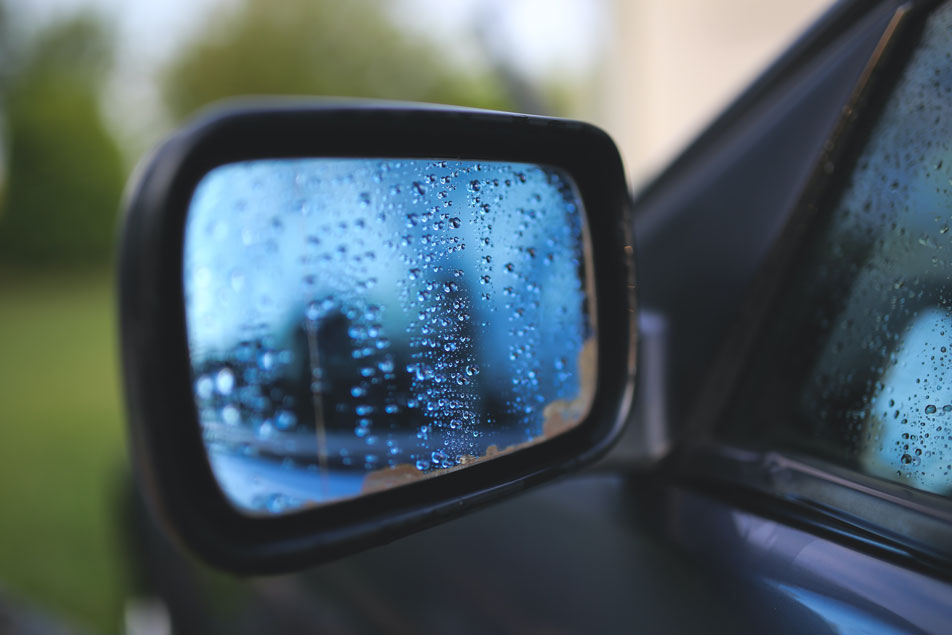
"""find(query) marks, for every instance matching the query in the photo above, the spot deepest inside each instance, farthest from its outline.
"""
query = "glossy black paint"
(166, 437)
(598, 553)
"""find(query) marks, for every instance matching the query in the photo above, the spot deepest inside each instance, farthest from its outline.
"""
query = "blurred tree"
(5, 46)
(319, 47)
(64, 170)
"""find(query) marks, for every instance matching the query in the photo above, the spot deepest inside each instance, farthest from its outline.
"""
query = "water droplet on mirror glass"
(225, 381)
(230, 415)
(205, 387)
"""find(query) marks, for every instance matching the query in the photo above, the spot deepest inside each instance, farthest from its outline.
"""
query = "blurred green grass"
(62, 449)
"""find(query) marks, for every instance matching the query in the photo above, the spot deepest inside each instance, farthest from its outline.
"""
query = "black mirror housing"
(166, 437)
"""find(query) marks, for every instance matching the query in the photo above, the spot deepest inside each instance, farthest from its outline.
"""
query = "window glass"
(854, 365)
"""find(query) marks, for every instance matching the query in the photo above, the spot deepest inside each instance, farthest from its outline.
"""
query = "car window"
(855, 363)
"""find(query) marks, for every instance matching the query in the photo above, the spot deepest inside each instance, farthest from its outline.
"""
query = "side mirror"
(341, 324)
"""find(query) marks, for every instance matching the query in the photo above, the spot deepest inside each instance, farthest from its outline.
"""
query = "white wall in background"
(672, 65)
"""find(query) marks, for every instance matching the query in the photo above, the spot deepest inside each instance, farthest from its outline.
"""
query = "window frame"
(895, 522)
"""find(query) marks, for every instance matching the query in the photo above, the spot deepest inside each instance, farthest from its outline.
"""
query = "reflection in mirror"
(358, 324)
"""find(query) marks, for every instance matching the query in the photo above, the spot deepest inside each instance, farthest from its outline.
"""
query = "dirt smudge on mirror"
(558, 417)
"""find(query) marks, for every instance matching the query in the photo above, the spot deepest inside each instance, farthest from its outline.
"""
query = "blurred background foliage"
(62, 459)
(303, 48)
(64, 168)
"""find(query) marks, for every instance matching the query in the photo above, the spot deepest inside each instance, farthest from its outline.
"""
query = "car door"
(781, 315)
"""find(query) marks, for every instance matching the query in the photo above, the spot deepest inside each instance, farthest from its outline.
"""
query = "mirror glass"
(359, 324)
